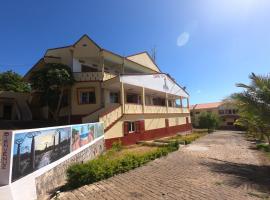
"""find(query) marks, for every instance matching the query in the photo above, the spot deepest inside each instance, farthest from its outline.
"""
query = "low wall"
(34, 161)
(133, 138)
(48, 182)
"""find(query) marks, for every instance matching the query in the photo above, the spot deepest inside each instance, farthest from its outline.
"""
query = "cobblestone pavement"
(221, 165)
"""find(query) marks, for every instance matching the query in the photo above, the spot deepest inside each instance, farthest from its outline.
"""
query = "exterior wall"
(133, 138)
(18, 101)
(145, 60)
(155, 127)
(195, 118)
(64, 54)
(85, 109)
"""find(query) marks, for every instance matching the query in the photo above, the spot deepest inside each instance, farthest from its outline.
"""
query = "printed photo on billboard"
(34, 150)
(82, 135)
(99, 130)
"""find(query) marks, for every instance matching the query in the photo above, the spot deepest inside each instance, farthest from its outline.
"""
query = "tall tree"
(254, 104)
(11, 81)
(51, 81)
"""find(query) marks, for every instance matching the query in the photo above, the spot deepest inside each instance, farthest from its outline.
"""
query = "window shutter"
(167, 123)
(137, 126)
(141, 126)
(125, 127)
(187, 121)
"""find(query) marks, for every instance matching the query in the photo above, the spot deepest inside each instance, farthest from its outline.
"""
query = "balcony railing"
(138, 108)
(133, 108)
(155, 109)
(92, 76)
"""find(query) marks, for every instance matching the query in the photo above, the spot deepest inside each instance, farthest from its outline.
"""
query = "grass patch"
(264, 148)
(117, 160)
(184, 139)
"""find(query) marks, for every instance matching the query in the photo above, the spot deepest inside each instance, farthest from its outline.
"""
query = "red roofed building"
(226, 111)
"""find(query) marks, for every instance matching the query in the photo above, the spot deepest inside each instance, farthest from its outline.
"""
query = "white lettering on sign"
(5, 150)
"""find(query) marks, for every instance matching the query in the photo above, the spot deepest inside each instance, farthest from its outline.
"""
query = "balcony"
(92, 76)
(152, 109)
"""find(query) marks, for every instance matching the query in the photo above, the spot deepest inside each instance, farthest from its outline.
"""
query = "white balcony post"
(143, 100)
(101, 62)
(123, 66)
(122, 91)
(167, 102)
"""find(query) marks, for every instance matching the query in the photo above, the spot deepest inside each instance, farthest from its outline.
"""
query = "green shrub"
(264, 147)
(117, 146)
(108, 165)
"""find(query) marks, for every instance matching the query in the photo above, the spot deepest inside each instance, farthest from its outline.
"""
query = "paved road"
(218, 166)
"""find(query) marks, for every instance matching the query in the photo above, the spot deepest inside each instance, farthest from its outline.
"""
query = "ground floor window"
(133, 127)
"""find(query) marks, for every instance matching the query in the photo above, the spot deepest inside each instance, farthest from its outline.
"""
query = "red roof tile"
(206, 105)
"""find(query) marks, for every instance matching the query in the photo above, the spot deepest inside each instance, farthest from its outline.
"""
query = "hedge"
(107, 166)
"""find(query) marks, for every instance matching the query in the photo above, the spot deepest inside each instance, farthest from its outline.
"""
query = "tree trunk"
(268, 138)
(56, 113)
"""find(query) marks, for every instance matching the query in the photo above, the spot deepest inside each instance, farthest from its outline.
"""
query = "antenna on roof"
(154, 53)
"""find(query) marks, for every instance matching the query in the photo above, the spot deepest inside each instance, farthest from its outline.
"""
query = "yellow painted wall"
(84, 109)
(151, 122)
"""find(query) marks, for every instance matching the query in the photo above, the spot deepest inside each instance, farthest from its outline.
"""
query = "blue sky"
(206, 45)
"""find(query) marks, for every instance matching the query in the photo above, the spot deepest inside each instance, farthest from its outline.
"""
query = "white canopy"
(158, 82)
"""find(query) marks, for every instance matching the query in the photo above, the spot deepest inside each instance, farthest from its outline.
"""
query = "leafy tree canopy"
(11, 81)
(208, 120)
(51, 81)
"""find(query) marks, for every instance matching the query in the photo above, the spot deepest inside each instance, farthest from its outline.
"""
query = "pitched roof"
(145, 59)
(206, 105)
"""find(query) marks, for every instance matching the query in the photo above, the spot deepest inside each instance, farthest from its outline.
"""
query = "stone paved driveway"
(218, 166)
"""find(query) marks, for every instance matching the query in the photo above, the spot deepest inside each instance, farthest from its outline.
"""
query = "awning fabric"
(158, 82)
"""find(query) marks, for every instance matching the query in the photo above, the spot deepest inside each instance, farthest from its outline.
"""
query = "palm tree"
(254, 104)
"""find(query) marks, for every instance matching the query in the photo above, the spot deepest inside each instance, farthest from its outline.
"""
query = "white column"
(143, 100)
(122, 91)
(167, 102)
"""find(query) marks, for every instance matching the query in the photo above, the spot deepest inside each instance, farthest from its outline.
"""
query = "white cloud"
(183, 39)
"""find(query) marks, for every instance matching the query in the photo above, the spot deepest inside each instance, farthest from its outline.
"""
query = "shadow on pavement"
(242, 175)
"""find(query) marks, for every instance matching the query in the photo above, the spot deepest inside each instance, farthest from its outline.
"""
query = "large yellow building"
(134, 99)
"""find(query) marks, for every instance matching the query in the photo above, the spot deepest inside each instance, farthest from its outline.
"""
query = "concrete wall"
(49, 181)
